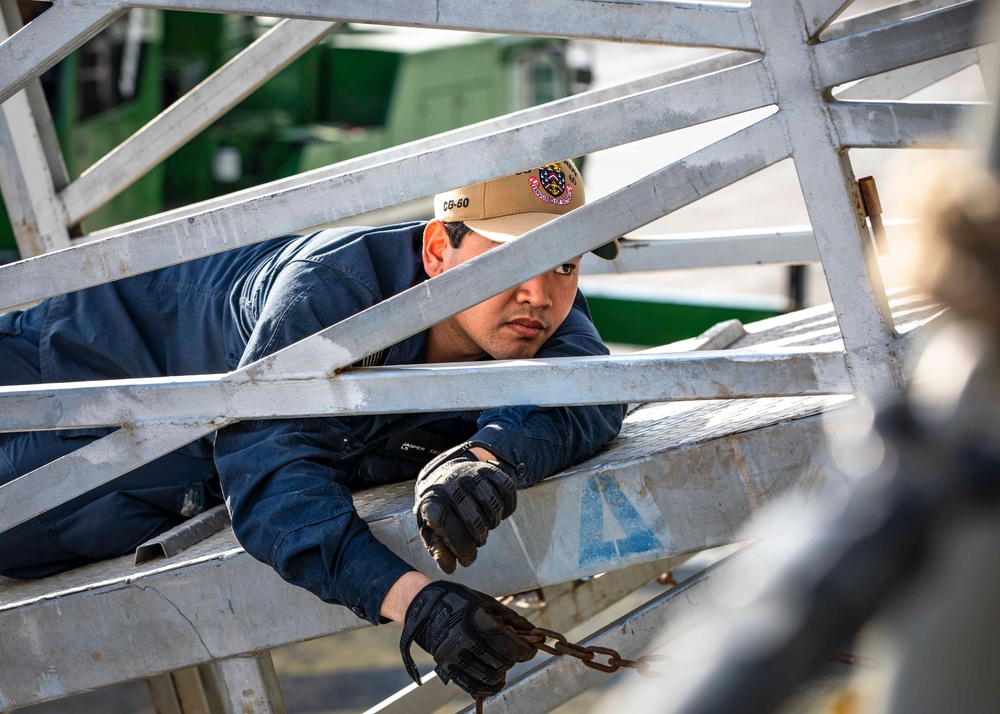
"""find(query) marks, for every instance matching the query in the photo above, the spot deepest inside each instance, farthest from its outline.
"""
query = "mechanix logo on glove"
(459, 499)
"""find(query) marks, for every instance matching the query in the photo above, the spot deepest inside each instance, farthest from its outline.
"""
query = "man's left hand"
(459, 499)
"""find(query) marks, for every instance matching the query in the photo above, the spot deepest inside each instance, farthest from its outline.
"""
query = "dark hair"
(456, 232)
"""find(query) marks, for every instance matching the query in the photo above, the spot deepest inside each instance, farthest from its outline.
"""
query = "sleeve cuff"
(373, 570)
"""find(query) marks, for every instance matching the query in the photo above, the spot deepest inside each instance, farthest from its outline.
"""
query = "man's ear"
(436, 242)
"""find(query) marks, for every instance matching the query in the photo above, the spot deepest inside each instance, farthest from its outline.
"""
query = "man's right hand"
(469, 634)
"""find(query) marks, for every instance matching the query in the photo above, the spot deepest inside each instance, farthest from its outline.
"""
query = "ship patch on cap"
(550, 186)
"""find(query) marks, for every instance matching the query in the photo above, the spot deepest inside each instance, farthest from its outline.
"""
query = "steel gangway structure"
(721, 424)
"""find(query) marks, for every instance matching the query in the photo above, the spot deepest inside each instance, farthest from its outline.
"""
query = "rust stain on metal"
(96, 656)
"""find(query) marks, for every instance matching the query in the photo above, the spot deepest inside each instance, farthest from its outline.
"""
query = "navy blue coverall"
(287, 483)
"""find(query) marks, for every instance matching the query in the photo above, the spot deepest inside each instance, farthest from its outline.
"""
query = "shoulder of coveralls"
(391, 252)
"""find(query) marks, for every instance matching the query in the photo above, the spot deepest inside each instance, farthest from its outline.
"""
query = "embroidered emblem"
(550, 186)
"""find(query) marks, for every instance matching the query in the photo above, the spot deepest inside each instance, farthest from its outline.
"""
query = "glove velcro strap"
(413, 623)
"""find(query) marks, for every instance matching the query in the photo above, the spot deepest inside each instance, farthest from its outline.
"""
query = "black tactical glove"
(458, 500)
(469, 634)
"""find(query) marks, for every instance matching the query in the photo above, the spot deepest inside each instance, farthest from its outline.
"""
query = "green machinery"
(361, 89)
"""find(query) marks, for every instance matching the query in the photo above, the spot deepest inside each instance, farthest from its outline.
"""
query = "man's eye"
(566, 268)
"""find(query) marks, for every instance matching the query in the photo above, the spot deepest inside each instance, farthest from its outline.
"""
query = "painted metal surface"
(661, 485)
(251, 685)
(829, 190)
(890, 125)
(50, 37)
(678, 23)
(316, 203)
(197, 109)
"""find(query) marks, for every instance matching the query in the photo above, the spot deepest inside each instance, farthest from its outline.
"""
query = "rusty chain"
(538, 637)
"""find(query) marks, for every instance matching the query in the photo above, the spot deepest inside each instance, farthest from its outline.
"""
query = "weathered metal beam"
(882, 16)
(36, 213)
(685, 251)
(425, 388)
(699, 68)
(644, 21)
(623, 120)
(829, 189)
(662, 481)
(889, 125)
(251, 684)
(50, 37)
(901, 83)
(662, 624)
(183, 119)
(90, 466)
(937, 33)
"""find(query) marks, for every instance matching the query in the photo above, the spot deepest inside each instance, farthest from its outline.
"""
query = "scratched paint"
(601, 493)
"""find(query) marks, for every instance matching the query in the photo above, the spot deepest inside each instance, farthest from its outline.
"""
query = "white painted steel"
(218, 602)
(889, 125)
(682, 73)
(50, 37)
(683, 251)
(91, 466)
(251, 684)
(830, 193)
(183, 119)
(427, 388)
(36, 214)
(650, 21)
(937, 33)
(634, 117)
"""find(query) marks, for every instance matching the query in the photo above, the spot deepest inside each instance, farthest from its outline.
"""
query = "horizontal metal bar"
(642, 21)
(660, 624)
(91, 466)
(783, 246)
(901, 83)
(674, 186)
(50, 37)
(634, 117)
(427, 388)
(183, 119)
(221, 602)
(942, 32)
(890, 125)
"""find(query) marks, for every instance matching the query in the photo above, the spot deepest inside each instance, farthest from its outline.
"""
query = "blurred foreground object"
(917, 546)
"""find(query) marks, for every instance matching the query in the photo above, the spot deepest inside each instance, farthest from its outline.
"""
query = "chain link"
(538, 637)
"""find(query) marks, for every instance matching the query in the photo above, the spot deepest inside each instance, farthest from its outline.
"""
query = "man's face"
(512, 325)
